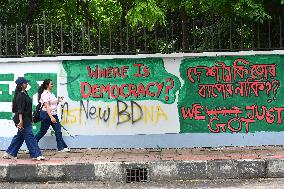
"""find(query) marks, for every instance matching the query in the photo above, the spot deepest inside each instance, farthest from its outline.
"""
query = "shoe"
(65, 150)
(8, 156)
(39, 158)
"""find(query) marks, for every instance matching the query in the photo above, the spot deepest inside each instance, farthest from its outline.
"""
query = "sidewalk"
(154, 164)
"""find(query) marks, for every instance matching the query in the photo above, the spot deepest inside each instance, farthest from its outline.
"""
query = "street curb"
(275, 168)
(3, 172)
(157, 170)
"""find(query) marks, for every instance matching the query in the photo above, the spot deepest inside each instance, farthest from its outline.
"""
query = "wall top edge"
(172, 55)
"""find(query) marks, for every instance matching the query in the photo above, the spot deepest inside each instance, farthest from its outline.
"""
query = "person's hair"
(43, 87)
(17, 91)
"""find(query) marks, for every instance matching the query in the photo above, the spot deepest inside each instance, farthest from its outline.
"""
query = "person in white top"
(48, 114)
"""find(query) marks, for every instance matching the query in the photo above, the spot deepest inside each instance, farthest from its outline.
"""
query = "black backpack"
(36, 114)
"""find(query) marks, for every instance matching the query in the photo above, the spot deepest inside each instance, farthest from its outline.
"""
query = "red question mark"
(169, 87)
(275, 88)
(268, 85)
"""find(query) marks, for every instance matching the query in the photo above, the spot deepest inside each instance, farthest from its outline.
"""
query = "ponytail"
(43, 87)
(17, 91)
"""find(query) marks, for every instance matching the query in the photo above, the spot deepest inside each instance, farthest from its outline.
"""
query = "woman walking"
(48, 114)
(22, 107)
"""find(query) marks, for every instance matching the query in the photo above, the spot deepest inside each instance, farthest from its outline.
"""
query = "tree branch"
(87, 13)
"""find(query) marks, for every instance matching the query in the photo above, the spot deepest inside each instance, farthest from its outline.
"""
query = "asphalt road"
(253, 183)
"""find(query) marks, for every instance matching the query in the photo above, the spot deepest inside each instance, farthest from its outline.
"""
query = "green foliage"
(139, 12)
(12, 11)
(251, 9)
(146, 12)
(113, 21)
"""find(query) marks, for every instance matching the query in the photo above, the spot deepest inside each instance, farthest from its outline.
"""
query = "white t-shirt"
(49, 97)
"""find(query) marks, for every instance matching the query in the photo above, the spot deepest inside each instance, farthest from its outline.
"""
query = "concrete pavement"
(155, 164)
(275, 183)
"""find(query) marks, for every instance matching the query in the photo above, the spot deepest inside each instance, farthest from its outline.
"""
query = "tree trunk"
(32, 9)
(87, 13)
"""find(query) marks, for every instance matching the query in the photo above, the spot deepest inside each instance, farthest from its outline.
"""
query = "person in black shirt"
(22, 107)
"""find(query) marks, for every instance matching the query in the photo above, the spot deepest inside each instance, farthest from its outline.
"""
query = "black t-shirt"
(23, 106)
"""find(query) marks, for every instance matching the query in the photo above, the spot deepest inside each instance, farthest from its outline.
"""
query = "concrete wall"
(177, 100)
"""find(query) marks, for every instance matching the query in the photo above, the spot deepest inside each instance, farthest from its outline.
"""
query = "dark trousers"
(26, 135)
(45, 124)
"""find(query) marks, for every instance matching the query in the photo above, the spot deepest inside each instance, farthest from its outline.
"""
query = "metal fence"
(115, 38)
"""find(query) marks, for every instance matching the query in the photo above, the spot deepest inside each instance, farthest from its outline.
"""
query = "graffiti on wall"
(229, 94)
(116, 114)
(232, 94)
(121, 79)
(115, 92)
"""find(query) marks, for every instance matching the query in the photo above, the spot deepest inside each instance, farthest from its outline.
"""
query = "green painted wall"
(223, 105)
(136, 79)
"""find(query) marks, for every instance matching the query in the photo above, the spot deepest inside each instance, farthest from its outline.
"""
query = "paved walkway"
(161, 164)
(148, 155)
